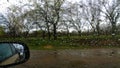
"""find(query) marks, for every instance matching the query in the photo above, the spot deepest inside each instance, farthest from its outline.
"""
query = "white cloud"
(73, 1)
(4, 4)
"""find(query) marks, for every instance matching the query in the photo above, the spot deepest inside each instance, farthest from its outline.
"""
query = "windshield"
(64, 33)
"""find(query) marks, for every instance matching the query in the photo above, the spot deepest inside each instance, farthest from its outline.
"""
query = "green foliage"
(74, 42)
(2, 32)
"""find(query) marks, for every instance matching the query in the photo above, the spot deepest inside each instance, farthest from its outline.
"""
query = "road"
(86, 58)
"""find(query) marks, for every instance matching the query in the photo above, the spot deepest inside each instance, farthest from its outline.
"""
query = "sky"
(4, 4)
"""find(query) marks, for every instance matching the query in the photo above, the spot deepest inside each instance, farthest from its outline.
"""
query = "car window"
(5, 51)
(14, 51)
(72, 32)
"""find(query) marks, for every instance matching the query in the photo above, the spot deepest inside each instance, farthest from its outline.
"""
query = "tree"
(73, 16)
(14, 21)
(56, 9)
(78, 17)
(16, 18)
(49, 10)
(111, 12)
(93, 14)
(40, 16)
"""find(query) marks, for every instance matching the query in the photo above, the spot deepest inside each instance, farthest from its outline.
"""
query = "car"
(13, 53)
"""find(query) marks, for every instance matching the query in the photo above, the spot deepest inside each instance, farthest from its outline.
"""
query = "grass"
(74, 42)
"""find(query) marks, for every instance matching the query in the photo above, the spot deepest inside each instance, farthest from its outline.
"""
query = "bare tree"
(111, 11)
(78, 18)
(49, 10)
(15, 21)
(93, 14)
(56, 9)
(73, 15)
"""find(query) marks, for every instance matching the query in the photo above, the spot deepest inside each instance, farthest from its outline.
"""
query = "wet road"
(87, 58)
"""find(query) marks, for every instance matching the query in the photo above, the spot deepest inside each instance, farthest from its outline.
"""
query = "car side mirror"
(13, 53)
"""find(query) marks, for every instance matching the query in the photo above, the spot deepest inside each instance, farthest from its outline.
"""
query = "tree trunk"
(49, 34)
(79, 32)
(54, 32)
(68, 34)
(113, 29)
(43, 34)
(98, 28)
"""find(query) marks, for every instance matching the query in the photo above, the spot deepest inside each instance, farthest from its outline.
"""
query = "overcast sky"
(4, 4)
